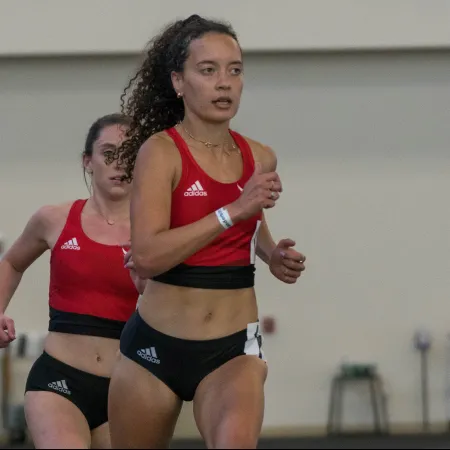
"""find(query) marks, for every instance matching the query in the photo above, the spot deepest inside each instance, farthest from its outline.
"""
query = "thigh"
(100, 437)
(229, 404)
(142, 410)
(55, 422)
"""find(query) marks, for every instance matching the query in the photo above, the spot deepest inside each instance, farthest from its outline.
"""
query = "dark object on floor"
(17, 425)
(422, 343)
(349, 374)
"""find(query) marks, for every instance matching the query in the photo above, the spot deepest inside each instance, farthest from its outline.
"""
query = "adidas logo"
(149, 354)
(71, 245)
(196, 190)
(60, 386)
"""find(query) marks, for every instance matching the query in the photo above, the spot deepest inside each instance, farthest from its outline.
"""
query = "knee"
(236, 435)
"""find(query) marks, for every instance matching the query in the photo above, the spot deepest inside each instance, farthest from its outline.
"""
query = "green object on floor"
(357, 370)
(355, 374)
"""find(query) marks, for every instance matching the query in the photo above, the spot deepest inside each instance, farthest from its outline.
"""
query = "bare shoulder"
(264, 154)
(157, 148)
(50, 213)
(38, 235)
(160, 143)
(158, 156)
(49, 217)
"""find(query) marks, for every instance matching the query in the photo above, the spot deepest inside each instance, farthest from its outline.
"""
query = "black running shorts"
(182, 364)
(88, 392)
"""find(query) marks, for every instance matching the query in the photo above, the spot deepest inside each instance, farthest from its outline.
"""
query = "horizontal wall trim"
(90, 27)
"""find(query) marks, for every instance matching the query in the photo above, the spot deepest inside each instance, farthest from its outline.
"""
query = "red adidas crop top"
(91, 292)
(229, 261)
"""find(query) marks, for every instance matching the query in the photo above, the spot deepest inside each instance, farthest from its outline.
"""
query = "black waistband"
(146, 333)
(218, 277)
(56, 364)
(73, 323)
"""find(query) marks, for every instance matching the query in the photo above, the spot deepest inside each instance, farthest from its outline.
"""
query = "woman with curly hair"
(197, 224)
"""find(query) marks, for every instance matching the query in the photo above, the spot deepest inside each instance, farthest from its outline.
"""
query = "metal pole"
(425, 399)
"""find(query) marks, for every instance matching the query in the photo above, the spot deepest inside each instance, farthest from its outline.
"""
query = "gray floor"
(363, 442)
(353, 442)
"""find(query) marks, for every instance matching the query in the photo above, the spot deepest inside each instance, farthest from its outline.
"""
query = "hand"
(7, 331)
(139, 282)
(262, 190)
(286, 263)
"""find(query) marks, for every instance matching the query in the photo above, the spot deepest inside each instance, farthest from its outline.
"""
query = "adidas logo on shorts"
(196, 190)
(71, 245)
(149, 354)
(60, 386)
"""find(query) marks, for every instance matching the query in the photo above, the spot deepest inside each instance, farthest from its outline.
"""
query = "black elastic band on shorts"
(206, 277)
(83, 324)
(63, 367)
(181, 344)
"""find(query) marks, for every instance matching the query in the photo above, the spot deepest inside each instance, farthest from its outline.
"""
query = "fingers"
(269, 203)
(277, 185)
(290, 280)
(293, 265)
(127, 256)
(285, 244)
(288, 272)
(272, 185)
(289, 276)
(5, 338)
(128, 260)
(263, 188)
(289, 253)
(11, 329)
(271, 181)
(270, 195)
(265, 177)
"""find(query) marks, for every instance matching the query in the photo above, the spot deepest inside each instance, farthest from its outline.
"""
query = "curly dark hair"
(152, 104)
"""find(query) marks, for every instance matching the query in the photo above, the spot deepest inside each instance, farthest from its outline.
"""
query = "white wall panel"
(55, 27)
(363, 147)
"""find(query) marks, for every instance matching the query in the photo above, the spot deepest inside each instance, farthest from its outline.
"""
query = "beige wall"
(106, 27)
(362, 141)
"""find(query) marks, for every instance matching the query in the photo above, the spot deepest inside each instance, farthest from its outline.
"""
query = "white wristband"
(224, 218)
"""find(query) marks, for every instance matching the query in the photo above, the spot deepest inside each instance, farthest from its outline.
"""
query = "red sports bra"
(91, 292)
(229, 261)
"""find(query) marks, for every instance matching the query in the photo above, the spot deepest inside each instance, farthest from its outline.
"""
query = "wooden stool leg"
(340, 406)
(383, 407)
(376, 412)
(335, 408)
(332, 406)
